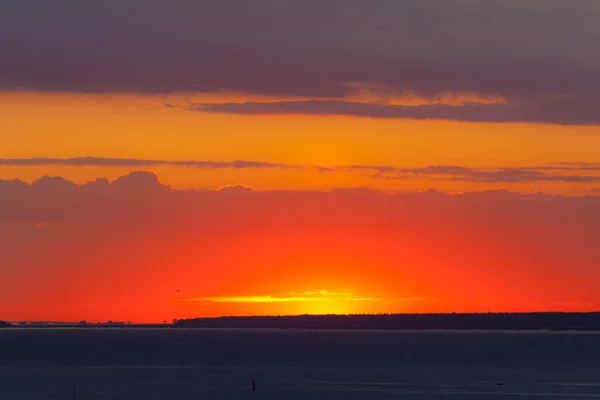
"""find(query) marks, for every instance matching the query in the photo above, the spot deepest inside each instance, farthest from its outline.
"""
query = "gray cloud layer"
(555, 111)
(529, 51)
(559, 172)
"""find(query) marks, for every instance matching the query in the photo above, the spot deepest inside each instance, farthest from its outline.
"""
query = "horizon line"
(131, 322)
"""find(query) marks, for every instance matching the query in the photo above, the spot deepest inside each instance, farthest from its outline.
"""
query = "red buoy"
(253, 384)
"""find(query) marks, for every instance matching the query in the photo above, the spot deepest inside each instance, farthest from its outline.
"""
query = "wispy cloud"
(584, 173)
(483, 175)
(567, 172)
(557, 111)
(132, 162)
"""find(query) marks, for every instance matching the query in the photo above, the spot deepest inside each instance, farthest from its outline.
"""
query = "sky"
(165, 159)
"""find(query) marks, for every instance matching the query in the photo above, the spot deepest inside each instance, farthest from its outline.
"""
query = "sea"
(170, 363)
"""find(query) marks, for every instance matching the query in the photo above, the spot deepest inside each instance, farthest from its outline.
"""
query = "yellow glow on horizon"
(283, 299)
(255, 299)
(300, 305)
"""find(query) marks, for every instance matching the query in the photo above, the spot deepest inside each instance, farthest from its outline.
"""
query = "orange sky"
(137, 252)
(182, 159)
(59, 125)
(133, 270)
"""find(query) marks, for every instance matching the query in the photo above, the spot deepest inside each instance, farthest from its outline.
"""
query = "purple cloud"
(484, 175)
(542, 52)
(131, 162)
(241, 189)
(563, 111)
(578, 172)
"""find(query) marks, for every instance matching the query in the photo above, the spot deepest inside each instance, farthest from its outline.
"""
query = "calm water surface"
(219, 364)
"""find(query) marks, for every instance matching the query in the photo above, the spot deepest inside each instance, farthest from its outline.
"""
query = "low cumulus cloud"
(539, 55)
(235, 189)
(134, 181)
(137, 238)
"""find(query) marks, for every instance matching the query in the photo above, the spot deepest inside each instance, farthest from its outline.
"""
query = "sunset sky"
(166, 159)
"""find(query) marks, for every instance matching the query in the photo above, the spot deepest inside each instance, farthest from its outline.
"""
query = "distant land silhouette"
(481, 321)
(553, 321)
(80, 324)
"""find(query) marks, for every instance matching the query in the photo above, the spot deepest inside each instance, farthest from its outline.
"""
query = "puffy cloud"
(540, 55)
(53, 183)
(62, 244)
(235, 189)
(140, 181)
(12, 185)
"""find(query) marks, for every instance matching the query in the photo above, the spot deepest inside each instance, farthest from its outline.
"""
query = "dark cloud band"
(528, 52)
(558, 111)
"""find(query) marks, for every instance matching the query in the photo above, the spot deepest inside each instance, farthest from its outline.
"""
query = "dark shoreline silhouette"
(61, 324)
(482, 321)
(550, 321)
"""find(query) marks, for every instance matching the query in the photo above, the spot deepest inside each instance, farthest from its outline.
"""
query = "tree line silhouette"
(477, 321)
